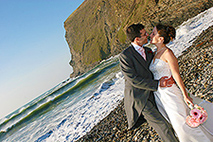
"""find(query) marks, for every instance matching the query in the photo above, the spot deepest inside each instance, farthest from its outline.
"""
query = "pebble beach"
(196, 65)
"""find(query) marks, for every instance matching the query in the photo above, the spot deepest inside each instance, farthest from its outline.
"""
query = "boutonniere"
(150, 52)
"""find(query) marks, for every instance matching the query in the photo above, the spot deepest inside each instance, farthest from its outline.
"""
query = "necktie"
(142, 52)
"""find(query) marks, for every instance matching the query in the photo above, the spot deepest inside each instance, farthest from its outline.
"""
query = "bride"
(171, 101)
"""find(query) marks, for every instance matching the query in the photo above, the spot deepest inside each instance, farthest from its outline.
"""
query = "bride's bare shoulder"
(168, 55)
(169, 52)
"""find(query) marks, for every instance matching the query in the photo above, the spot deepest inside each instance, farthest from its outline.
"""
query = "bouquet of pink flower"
(197, 116)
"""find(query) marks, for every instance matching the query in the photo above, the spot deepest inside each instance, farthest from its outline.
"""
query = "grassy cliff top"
(96, 30)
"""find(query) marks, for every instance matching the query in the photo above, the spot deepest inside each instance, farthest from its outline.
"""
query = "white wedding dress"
(171, 105)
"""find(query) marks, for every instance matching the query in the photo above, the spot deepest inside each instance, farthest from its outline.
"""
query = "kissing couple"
(154, 89)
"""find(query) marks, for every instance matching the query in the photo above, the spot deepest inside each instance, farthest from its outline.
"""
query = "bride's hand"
(188, 100)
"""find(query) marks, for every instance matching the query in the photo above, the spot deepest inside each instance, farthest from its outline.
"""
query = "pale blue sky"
(34, 55)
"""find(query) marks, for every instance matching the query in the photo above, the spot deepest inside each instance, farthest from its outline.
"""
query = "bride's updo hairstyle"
(167, 32)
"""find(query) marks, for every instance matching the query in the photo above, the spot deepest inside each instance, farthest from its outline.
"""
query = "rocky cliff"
(96, 30)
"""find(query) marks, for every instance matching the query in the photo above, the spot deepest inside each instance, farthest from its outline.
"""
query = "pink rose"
(203, 117)
(195, 113)
(192, 122)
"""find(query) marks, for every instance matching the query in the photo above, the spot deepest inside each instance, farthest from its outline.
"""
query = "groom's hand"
(163, 81)
(166, 82)
(170, 82)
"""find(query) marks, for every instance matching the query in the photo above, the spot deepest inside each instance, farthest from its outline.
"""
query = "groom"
(139, 84)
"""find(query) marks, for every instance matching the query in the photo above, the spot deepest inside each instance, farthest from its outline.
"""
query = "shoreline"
(196, 65)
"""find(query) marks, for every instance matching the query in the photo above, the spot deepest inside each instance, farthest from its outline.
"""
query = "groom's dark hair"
(133, 31)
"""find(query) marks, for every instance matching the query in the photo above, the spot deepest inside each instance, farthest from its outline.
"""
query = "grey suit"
(138, 94)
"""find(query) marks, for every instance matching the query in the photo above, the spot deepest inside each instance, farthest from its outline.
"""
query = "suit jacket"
(139, 82)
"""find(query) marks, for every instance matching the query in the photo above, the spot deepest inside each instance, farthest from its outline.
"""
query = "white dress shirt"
(139, 49)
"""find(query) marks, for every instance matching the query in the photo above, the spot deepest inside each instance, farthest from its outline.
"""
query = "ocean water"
(73, 107)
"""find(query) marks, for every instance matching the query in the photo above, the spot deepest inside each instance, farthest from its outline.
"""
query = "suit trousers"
(157, 121)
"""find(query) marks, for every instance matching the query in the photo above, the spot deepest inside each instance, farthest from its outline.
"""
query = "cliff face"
(96, 30)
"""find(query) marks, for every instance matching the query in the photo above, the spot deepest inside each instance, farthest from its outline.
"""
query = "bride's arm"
(173, 64)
